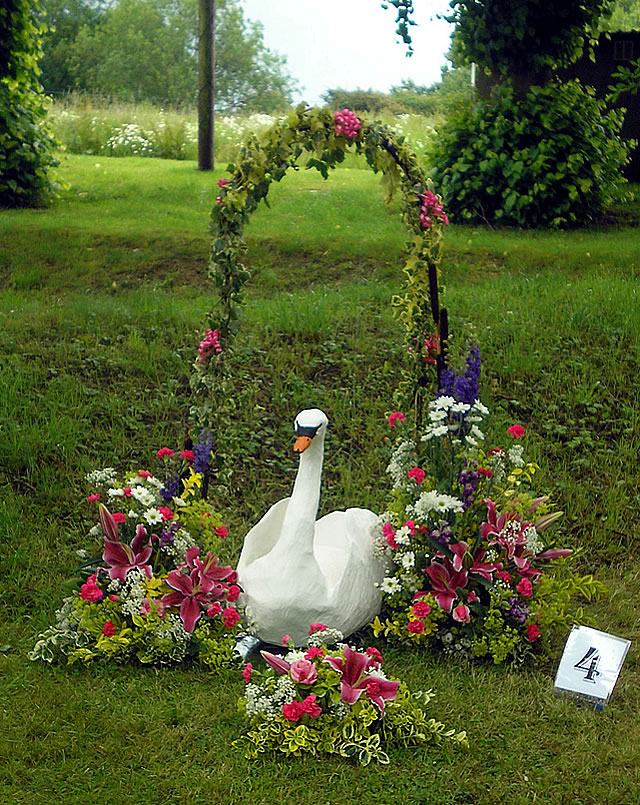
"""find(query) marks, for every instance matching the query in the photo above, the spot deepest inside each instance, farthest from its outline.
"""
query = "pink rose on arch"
(303, 671)
(347, 123)
(517, 431)
(525, 588)
(461, 614)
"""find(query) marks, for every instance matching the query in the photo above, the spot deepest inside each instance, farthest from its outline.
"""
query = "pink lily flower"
(279, 665)
(189, 592)
(121, 558)
(355, 680)
(209, 567)
(484, 569)
(445, 581)
(507, 531)
(555, 553)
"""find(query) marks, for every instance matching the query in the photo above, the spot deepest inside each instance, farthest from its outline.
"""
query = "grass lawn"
(102, 306)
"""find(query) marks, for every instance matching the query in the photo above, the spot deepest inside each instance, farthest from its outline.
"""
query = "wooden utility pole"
(206, 83)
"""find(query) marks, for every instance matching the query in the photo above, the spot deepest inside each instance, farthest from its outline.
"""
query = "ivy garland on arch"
(320, 139)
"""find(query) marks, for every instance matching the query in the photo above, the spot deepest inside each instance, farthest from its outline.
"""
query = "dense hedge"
(26, 144)
(552, 158)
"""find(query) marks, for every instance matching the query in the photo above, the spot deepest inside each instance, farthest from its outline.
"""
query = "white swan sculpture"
(294, 570)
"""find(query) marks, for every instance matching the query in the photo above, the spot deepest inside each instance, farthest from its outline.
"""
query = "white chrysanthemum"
(407, 560)
(390, 585)
(434, 502)
(460, 408)
(479, 408)
(403, 536)
(437, 415)
(443, 402)
(152, 516)
(477, 433)
(143, 495)
(470, 441)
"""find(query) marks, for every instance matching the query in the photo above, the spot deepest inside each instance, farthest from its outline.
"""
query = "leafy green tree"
(624, 17)
(147, 50)
(26, 145)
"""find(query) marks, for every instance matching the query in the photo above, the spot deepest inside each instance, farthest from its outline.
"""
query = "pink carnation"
(421, 609)
(119, 517)
(166, 512)
(90, 591)
(317, 627)
(314, 651)
(187, 455)
(415, 627)
(93, 498)
(221, 531)
(310, 707)
(164, 452)
(214, 609)
(145, 474)
(396, 416)
(533, 633)
(525, 588)
(417, 474)
(246, 672)
(230, 617)
(233, 592)
(293, 711)
(517, 431)
(108, 629)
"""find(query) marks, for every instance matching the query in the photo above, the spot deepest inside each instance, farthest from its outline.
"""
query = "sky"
(351, 44)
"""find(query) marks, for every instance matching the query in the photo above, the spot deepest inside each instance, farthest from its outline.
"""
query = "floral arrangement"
(475, 569)
(150, 595)
(333, 701)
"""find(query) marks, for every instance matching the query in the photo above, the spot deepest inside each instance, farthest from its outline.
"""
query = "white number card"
(591, 663)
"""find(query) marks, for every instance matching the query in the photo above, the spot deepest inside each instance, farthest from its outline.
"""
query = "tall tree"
(148, 50)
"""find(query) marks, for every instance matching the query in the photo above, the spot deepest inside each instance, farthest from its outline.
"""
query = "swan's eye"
(306, 430)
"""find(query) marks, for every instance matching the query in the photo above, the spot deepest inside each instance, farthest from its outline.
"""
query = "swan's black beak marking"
(304, 436)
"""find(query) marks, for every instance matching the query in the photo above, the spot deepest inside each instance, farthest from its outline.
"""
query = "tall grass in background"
(96, 126)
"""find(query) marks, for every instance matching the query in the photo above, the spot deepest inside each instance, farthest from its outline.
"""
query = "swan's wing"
(343, 542)
(263, 536)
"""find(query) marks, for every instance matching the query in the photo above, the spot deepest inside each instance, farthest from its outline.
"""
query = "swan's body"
(296, 571)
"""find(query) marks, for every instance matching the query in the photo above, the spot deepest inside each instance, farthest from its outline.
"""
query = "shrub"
(25, 141)
(551, 158)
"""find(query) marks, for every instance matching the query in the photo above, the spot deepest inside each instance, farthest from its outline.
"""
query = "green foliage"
(552, 158)
(625, 16)
(26, 143)
(138, 50)
(532, 35)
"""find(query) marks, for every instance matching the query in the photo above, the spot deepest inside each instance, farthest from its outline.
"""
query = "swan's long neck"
(299, 523)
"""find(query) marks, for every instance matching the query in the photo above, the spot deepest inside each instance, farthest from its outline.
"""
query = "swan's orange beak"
(301, 444)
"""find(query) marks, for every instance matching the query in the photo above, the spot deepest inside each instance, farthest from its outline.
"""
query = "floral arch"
(318, 138)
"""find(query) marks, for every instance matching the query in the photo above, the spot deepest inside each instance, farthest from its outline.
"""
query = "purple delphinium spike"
(202, 452)
(171, 488)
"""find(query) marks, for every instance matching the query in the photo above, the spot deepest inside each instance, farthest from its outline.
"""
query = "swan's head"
(309, 424)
